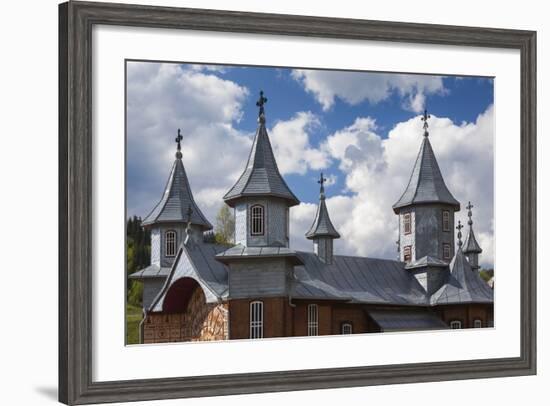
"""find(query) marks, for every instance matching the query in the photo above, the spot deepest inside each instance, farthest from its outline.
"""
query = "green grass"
(133, 318)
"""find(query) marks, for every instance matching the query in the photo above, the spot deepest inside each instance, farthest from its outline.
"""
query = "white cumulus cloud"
(355, 87)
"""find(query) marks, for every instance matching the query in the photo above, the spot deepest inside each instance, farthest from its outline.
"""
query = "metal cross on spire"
(425, 118)
(470, 207)
(178, 139)
(322, 181)
(459, 235)
(189, 213)
(260, 103)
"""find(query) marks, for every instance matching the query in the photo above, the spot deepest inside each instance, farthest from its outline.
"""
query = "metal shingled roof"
(176, 200)
(197, 261)
(426, 184)
(471, 245)
(406, 320)
(464, 285)
(322, 226)
(261, 176)
(152, 271)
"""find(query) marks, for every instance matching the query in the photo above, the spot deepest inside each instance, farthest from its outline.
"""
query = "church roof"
(471, 245)
(426, 184)
(176, 201)
(463, 285)
(196, 261)
(349, 279)
(322, 226)
(261, 176)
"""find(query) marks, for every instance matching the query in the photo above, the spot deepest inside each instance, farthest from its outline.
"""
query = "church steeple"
(426, 208)
(176, 217)
(322, 232)
(471, 248)
(260, 196)
(177, 198)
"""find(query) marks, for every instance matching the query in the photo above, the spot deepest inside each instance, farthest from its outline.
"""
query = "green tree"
(138, 256)
(225, 226)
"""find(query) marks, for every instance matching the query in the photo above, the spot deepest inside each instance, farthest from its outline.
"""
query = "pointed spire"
(426, 184)
(177, 198)
(459, 234)
(261, 176)
(471, 246)
(322, 226)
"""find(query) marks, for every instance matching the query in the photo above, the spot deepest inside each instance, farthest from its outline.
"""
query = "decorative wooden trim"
(76, 20)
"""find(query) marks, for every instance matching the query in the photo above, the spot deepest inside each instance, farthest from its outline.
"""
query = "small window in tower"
(407, 256)
(407, 223)
(257, 220)
(446, 220)
(170, 243)
(256, 319)
(347, 328)
(446, 251)
(312, 320)
(456, 324)
(477, 323)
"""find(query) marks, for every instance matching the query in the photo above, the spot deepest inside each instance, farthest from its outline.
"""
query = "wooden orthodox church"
(260, 287)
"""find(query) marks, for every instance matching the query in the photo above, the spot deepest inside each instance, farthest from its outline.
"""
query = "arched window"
(478, 323)
(456, 324)
(312, 320)
(170, 243)
(347, 328)
(257, 220)
(256, 319)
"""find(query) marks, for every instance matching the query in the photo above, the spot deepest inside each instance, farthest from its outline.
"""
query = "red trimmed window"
(257, 220)
(407, 223)
(407, 253)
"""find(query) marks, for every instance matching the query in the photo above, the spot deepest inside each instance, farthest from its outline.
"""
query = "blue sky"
(361, 128)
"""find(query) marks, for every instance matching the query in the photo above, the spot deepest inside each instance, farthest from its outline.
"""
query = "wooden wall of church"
(201, 322)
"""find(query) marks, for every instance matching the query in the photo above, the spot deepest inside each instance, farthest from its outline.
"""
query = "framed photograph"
(258, 202)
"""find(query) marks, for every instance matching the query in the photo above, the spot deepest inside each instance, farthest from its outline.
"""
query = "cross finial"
(178, 141)
(189, 213)
(260, 103)
(459, 235)
(322, 181)
(470, 207)
(425, 118)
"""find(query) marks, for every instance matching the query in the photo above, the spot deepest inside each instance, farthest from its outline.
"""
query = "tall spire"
(322, 226)
(426, 184)
(471, 246)
(261, 177)
(177, 198)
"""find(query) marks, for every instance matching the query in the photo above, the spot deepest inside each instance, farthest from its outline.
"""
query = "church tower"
(322, 232)
(176, 218)
(261, 263)
(471, 248)
(426, 210)
(261, 197)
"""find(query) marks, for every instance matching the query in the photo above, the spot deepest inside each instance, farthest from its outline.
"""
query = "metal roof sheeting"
(471, 245)
(152, 271)
(322, 226)
(356, 279)
(400, 320)
(261, 176)
(176, 200)
(426, 184)
(464, 285)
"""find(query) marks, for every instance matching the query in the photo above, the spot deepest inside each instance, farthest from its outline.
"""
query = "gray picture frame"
(76, 20)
